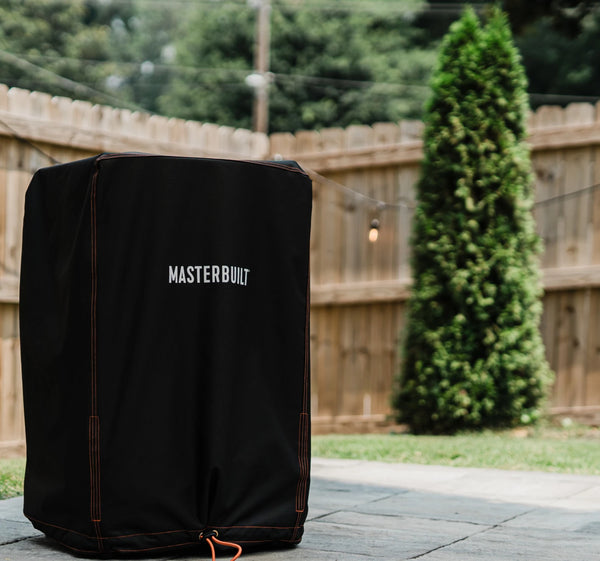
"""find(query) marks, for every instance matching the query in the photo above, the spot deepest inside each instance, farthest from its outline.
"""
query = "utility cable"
(380, 204)
(76, 87)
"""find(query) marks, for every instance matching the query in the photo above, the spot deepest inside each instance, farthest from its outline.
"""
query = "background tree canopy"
(334, 63)
(331, 68)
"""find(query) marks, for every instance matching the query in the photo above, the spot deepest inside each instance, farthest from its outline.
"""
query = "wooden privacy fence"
(359, 288)
(37, 129)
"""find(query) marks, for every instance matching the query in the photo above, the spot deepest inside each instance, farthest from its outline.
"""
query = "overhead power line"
(357, 6)
(77, 88)
(359, 197)
(81, 88)
(243, 72)
(409, 8)
(323, 80)
(152, 3)
(564, 98)
(130, 64)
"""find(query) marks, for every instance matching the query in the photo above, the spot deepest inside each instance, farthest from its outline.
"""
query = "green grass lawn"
(574, 450)
(11, 477)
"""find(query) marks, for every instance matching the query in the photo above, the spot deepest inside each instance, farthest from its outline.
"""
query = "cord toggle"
(211, 537)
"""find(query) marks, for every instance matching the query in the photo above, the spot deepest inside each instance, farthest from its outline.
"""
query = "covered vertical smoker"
(165, 351)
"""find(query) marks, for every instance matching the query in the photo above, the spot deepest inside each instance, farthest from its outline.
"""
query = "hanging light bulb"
(374, 230)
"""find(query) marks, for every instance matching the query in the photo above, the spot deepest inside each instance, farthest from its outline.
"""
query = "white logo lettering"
(208, 274)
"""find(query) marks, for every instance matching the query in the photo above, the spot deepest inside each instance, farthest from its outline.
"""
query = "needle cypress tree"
(473, 355)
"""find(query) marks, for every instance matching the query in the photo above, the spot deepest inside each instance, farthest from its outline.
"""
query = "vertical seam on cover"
(306, 402)
(94, 421)
(303, 429)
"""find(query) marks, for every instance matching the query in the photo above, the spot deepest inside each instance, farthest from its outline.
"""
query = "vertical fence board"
(382, 373)
(68, 130)
(407, 180)
(356, 334)
(547, 190)
(349, 250)
(592, 379)
(561, 390)
(330, 235)
(11, 412)
(348, 386)
(315, 233)
(550, 326)
(576, 208)
(595, 208)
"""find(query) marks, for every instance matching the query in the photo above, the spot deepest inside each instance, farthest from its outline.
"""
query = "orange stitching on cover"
(91, 469)
(150, 534)
(304, 467)
(255, 541)
(156, 533)
(156, 548)
(306, 403)
(94, 433)
(257, 527)
(93, 459)
(303, 428)
(92, 325)
(59, 527)
(293, 541)
(93, 551)
(98, 512)
(98, 469)
(98, 535)
(93, 290)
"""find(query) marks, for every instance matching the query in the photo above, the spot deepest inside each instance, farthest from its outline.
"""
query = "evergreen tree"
(473, 355)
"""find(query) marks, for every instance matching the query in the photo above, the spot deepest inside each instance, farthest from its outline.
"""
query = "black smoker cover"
(165, 350)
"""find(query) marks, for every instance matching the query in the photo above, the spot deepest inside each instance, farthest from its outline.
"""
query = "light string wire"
(16, 136)
(404, 202)
(378, 203)
(279, 77)
(431, 8)
(316, 177)
(64, 82)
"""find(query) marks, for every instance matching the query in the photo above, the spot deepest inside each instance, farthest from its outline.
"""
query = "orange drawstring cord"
(213, 539)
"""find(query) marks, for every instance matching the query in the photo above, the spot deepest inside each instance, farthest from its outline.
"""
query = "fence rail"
(37, 130)
(359, 288)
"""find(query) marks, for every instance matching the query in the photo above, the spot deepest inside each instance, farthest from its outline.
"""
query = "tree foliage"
(334, 64)
(331, 68)
(563, 65)
(89, 50)
(52, 46)
(558, 43)
(340, 69)
(473, 355)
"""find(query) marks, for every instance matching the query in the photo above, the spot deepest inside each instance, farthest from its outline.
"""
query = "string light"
(380, 205)
(375, 223)
(374, 230)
